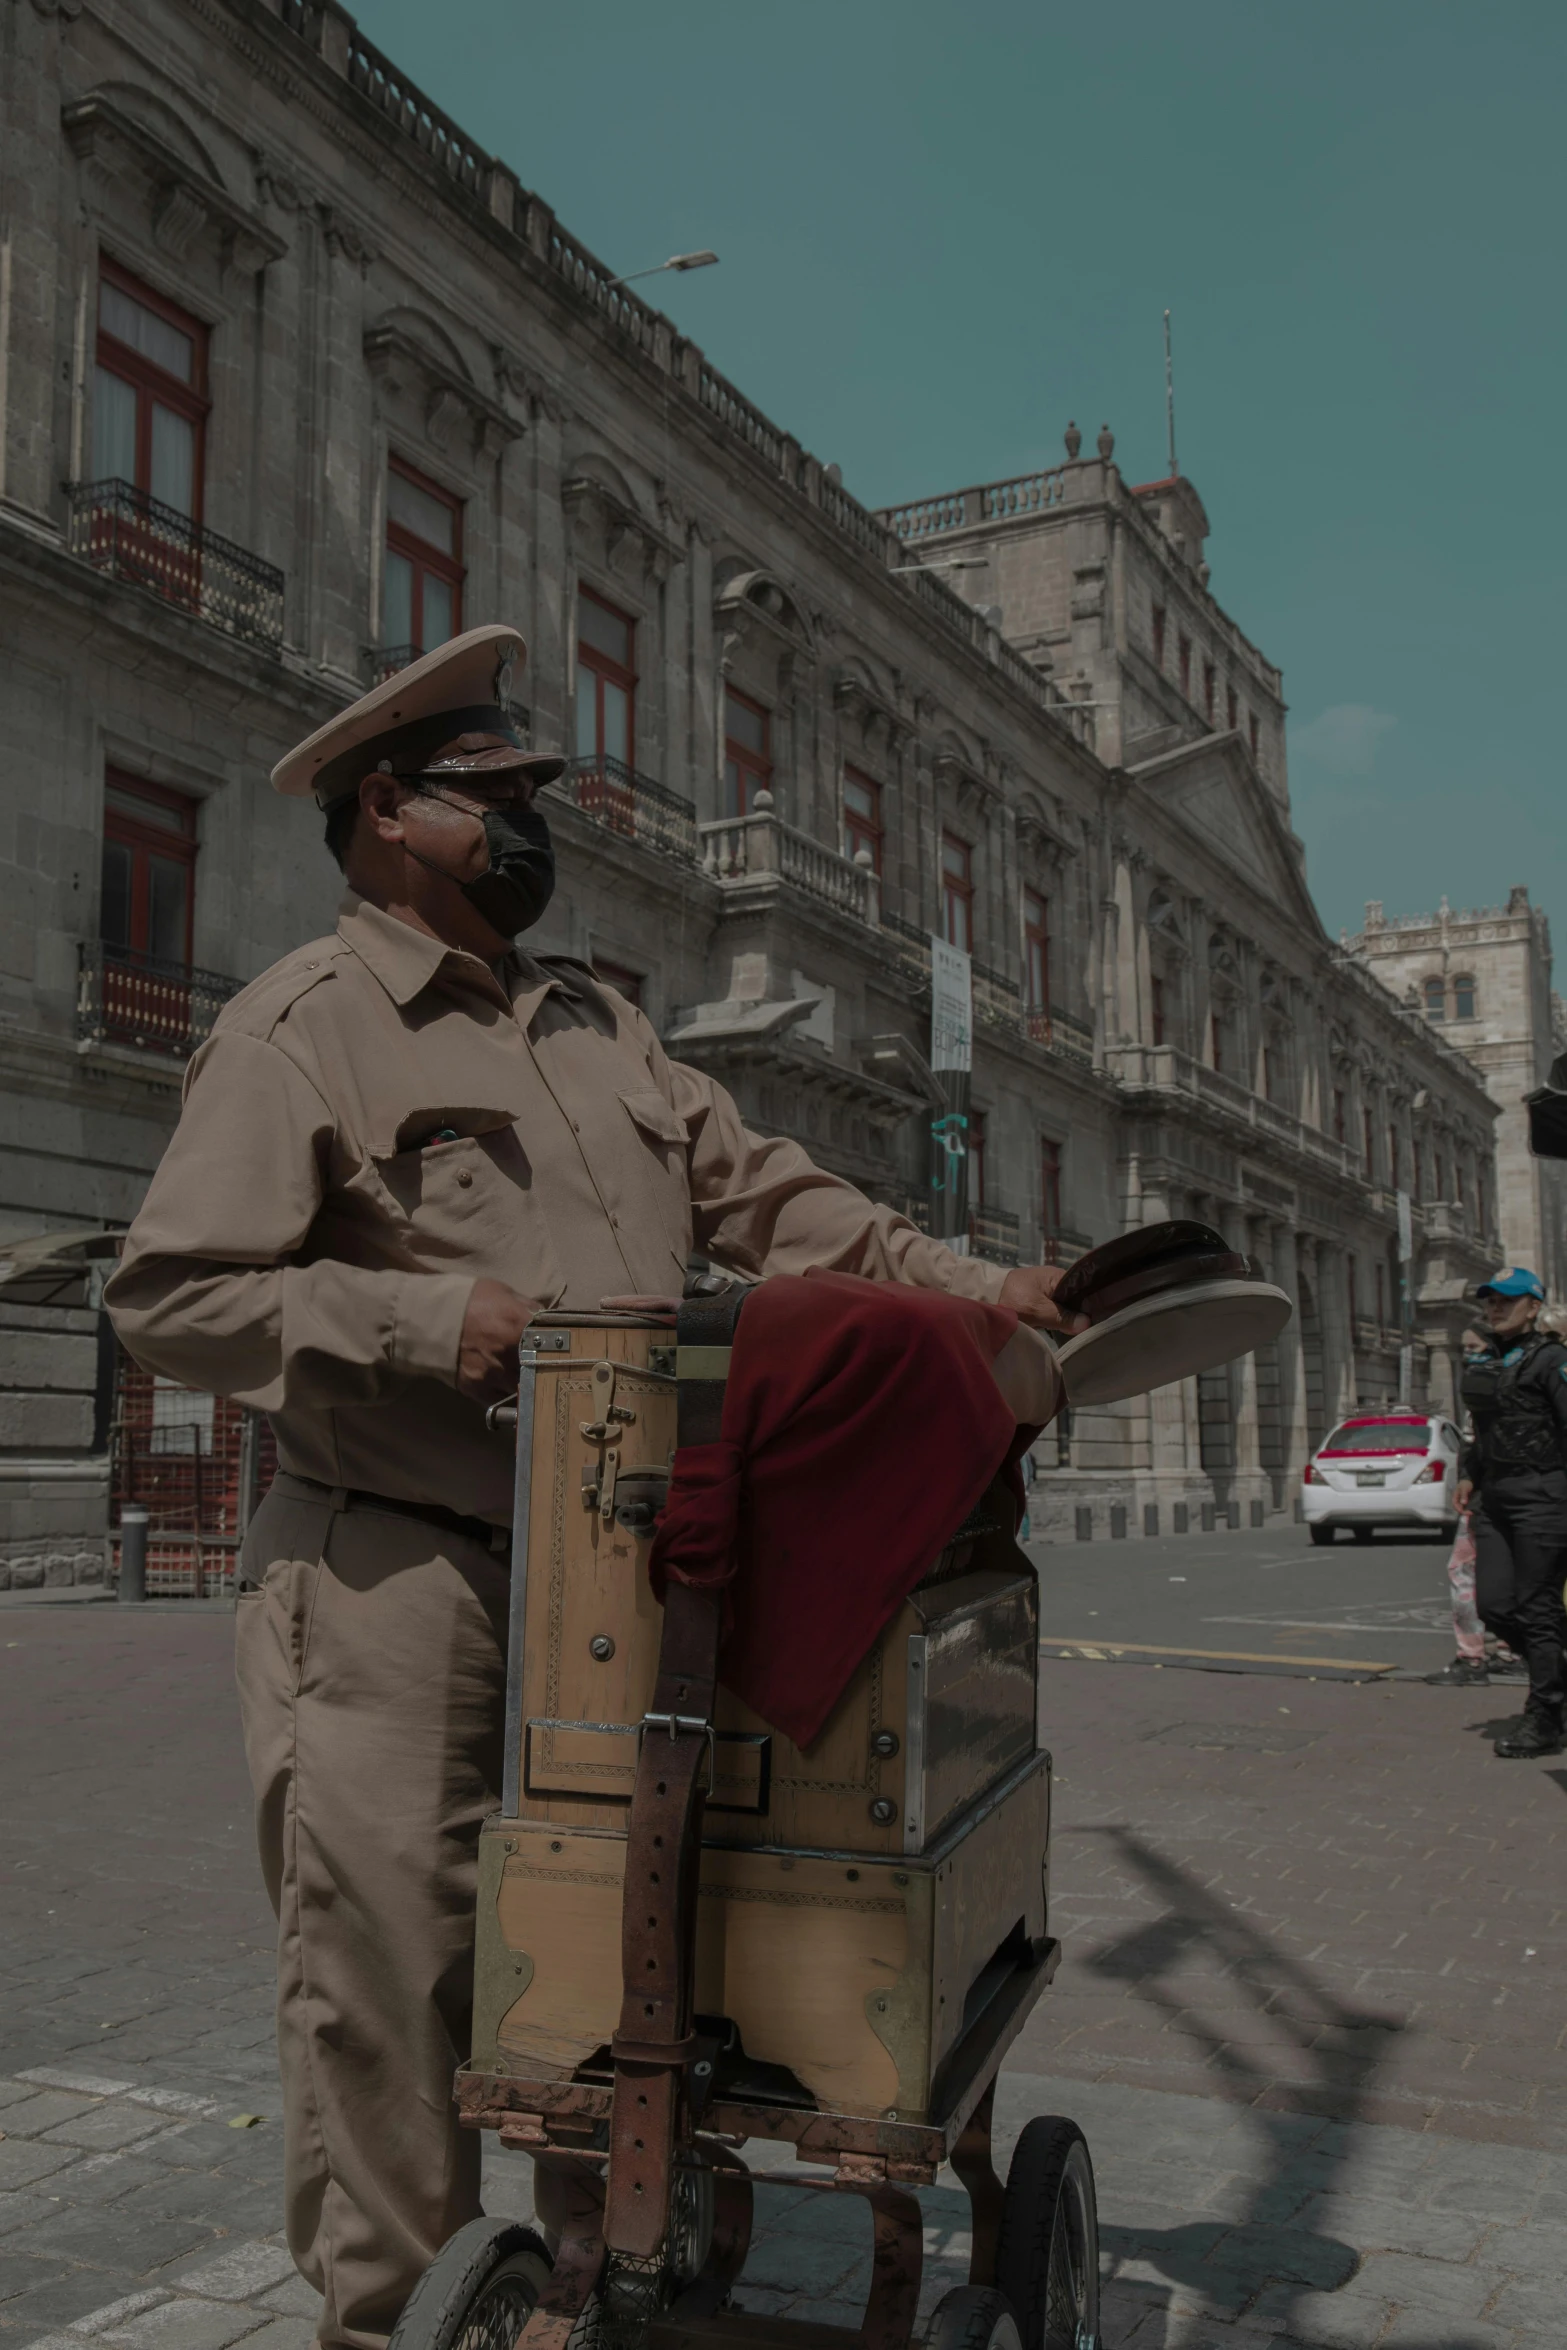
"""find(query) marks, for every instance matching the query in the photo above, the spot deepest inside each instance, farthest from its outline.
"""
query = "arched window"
(1436, 1000)
(1464, 1002)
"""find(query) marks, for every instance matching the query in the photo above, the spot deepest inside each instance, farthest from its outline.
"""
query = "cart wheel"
(973, 2317)
(1047, 2257)
(478, 2292)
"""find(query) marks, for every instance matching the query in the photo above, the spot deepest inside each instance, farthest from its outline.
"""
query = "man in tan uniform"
(397, 1143)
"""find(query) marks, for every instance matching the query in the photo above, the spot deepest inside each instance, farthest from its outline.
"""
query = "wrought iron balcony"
(120, 529)
(383, 661)
(993, 1235)
(1064, 1247)
(126, 998)
(630, 805)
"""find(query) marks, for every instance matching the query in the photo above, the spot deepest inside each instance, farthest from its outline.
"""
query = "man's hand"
(1461, 1494)
(1030, 1291)
(491, 1333)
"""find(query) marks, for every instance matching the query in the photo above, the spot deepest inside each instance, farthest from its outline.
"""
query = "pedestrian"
(1513, 1481)
(396, 1145)
(1475, 1661)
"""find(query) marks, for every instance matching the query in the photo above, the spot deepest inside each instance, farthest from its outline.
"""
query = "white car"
(1388, 1467)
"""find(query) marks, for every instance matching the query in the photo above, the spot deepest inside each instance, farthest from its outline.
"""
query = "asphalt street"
(1269, 1594)
(1310, 2013)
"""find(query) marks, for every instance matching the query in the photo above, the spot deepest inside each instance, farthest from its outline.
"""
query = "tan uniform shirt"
(377, 1122)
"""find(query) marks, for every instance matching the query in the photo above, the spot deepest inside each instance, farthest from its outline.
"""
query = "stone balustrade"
(761, 847)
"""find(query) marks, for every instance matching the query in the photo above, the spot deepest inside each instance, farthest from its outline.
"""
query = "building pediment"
(187, 204)
(407, 366)
(1213, 788)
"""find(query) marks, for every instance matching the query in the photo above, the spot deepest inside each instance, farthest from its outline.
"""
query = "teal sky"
(945, 230)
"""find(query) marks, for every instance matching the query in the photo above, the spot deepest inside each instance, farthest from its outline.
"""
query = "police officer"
(397, 1144)
(1513, 1478)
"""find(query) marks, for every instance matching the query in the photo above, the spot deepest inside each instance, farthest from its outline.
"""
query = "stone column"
(1243, 1374)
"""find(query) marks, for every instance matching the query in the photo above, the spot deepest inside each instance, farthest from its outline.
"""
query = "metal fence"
(126, 998)
(120, 529)
(198, 1463)
(631, 805)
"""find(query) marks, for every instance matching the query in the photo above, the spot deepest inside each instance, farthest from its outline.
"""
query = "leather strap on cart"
(655, 2045)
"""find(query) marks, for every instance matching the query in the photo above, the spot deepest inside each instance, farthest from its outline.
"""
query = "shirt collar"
(405, 960)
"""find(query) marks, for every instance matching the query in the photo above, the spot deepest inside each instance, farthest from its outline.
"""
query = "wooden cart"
(692, 1933)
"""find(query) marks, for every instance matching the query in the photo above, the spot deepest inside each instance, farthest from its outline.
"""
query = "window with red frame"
(1354, 1299)
(1231, 709)
(1156, 1009)
(1393, 1166)
(1365, 1129)
(149, 862)
(1185, 666)
(606, 681)
(748, 752)
(1036, 954)
(861, 816)
(1252, 722)
(976, 1158)
(421, 596)
(1381, 1294)
(149, 392)
(1209, 685)
(623, 981)
(1158, 636)
(1049, 1188)
(1216, 1041)
(957, 892)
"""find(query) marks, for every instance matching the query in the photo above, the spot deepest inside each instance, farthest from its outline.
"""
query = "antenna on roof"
(1169, 393)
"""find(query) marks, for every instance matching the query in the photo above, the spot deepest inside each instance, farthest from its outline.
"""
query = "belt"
(496, 1539)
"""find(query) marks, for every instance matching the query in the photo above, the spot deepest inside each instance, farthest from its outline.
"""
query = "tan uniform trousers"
(371, 1667)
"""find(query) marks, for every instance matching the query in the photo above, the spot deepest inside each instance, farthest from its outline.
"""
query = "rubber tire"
(438, 2310)
(973, 2317)
(1364, 1534)
(1322, 1535)
(1050, 2170)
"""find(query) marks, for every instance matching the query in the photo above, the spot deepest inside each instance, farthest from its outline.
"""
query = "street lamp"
(955, 563)
(677, 261)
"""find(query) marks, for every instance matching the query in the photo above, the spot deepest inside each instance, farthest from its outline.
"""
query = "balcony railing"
(380, 662)
(631, 806)
(121, 530)
(126, 998)
(993, 1235)
(1064, 1247)
(1060, 1032)
(762, 847)
(1164, 1068)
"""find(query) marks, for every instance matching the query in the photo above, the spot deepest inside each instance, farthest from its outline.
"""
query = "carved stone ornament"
(187, 210)
(753, 601)
(450, 408)
(633, 546)
(866, 710)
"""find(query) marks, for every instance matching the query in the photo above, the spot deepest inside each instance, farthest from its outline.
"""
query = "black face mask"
(519, 881)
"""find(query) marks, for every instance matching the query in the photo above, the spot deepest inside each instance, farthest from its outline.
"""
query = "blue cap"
(1513, 1281)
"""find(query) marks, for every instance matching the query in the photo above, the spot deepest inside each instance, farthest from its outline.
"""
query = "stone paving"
(1311, 2015)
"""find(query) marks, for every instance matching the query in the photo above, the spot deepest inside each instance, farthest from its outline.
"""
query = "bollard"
(133, 1551)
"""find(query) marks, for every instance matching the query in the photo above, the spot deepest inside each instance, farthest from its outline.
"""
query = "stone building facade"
(1483, 978)
(296, 380)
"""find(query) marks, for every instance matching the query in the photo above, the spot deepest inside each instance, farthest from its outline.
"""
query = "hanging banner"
(951, 1007)
(951, 1058)
(1406, 1228)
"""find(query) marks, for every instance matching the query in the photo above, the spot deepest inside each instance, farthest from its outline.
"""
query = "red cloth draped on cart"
(861, 1424)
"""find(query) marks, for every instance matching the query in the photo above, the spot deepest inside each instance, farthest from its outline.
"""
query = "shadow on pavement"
(1257, 2245)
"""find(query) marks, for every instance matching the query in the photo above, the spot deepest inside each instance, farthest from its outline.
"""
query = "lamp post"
(679, 262)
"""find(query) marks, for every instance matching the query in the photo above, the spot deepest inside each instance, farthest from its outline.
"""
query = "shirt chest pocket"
(462, 1189)
(661, 1163)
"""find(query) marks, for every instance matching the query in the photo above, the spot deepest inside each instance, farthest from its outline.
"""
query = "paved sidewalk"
(1310, 2016)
